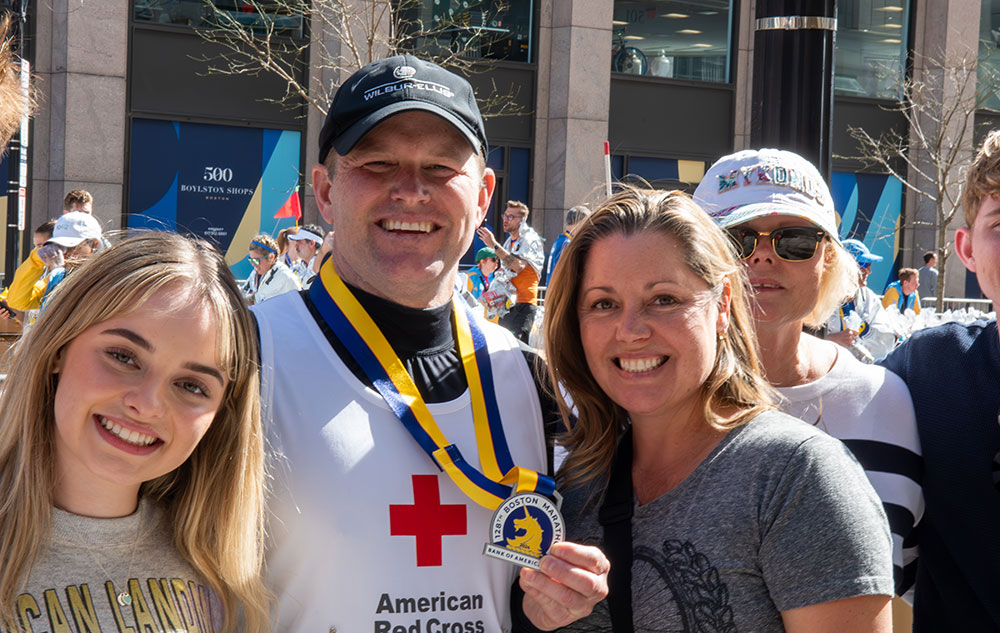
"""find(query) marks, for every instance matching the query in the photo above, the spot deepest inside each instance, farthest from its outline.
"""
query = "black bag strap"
(615, 516)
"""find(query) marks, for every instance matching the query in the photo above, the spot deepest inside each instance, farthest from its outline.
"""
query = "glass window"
(260, 15)
(989, 48)
(673, 38)
(491, 29)
(871, 48)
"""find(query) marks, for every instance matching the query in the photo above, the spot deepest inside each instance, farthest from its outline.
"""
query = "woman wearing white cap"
(780, 215)
(76, 236)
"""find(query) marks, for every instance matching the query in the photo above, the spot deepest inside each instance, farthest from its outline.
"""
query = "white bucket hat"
(74, 227)
(757, 183)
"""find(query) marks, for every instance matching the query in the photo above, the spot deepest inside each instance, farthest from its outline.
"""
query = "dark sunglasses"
(255, 261)
(791, 243)
(867, 266)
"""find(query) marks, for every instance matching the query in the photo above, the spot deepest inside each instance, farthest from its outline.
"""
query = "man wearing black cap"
(393, 412)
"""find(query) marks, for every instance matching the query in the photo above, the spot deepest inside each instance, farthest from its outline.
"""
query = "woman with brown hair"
(718, 513)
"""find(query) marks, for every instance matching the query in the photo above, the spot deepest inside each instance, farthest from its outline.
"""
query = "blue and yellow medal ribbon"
(370, 349)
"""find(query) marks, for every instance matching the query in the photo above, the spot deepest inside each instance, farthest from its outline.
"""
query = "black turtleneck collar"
(422, 339)
(409, 330)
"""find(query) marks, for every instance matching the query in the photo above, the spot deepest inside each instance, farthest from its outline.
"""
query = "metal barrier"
(954, 303)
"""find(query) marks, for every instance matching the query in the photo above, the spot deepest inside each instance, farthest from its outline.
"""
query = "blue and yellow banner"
(223, 183)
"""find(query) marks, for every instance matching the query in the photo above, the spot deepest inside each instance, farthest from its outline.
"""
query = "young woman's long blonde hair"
(214, 500)
(735, 385)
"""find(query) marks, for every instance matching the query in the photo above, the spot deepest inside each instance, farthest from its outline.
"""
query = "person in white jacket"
(270, 276)
(861, 325)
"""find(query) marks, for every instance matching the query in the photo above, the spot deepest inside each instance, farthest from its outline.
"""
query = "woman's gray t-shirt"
(778, 516)
(74, 585)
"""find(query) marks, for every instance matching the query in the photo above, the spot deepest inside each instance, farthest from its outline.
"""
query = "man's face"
(979, 247)
(512, 219)
(932, 262)
(406, 202)
(910, 285)
(304, 249)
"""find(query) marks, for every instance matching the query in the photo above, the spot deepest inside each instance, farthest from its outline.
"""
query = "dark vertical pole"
(17, 156)
(793, 78)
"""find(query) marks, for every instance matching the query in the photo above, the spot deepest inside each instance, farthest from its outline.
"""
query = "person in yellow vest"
(24, 292)
(903, 293)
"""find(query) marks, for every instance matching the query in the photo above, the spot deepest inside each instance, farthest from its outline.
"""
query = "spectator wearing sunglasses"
(874, 337)
(780, 216)
(270, 276)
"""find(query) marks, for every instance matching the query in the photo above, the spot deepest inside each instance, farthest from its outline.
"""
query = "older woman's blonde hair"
(214, 500)
(735, 391)
(837, 283)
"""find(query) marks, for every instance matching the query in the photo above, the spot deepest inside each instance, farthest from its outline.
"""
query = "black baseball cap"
(398, 84)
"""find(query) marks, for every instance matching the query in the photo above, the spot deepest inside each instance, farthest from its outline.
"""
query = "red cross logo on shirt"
(427, 520)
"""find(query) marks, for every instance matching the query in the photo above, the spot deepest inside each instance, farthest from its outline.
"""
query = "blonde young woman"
(131, 452)
(736, 517)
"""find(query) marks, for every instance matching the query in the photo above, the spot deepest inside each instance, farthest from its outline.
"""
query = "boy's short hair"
(929, 255)
(983, 179)
(79, 197)
(906, 274)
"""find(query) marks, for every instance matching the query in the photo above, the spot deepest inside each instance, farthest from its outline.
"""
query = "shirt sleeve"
(890, 297)
(824, 534)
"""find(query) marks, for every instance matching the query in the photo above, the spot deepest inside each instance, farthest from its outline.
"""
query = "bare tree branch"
(275, 36)
(938, 107)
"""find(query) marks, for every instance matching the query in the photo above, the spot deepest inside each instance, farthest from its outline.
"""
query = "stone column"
(571, 117)
(942, 32)
(79, 132)
(743, 55)
(330, 64)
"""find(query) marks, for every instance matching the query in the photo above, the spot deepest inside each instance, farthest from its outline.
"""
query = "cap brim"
(748, 212)
(869, 259)
(344, 143)
(298, 237)
(68, 242)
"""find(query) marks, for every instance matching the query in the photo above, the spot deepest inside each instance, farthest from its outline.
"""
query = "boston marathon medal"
(524, 527)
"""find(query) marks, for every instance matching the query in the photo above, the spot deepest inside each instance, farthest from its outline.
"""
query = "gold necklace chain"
(123, 597)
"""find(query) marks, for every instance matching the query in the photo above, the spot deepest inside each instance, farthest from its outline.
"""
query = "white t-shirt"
(869, 409)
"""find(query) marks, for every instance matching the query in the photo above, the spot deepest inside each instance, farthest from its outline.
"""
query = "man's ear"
(963, 247)
(322, 186)
(486, 194)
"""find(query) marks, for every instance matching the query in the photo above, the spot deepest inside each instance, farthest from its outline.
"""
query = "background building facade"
(132, 112)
